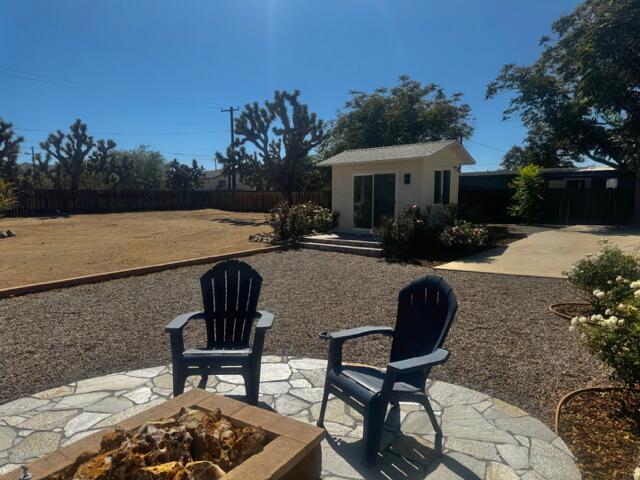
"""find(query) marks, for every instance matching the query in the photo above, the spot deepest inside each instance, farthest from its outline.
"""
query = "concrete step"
(341, 241)
(355, 250)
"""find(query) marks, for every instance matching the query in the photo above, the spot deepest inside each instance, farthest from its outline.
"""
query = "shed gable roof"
(397, 152)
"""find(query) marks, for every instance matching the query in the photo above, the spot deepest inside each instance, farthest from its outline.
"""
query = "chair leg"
(252, 388)
(203, 382)
(434, 422)
(323, 406)
(373, 428)
(179, 379)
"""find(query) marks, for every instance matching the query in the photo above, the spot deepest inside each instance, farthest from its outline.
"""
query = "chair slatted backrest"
(426, 308)
(230, 292)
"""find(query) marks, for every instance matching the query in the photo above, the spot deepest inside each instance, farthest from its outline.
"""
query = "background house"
(216, 180)
(373, 183)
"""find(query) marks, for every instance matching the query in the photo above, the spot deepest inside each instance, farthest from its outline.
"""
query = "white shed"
(372, 183)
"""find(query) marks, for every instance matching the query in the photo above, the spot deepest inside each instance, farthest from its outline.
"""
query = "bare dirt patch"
(53, 248)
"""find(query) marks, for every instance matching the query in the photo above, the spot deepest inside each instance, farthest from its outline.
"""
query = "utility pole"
(232, 178)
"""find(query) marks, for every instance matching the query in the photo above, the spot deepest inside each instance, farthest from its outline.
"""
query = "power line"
(487, 146)
(141, 134)
(62, 82)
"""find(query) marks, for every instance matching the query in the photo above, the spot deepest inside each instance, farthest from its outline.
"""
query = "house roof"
(401, 152)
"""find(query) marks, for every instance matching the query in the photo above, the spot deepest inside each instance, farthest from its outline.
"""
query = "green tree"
(283, 133)
(147, 168)
(231, 165)
(407, 113)
(584, 90)
(9, 151)
(183, 178)
(526, 202)
(73, 152)
(7, 196)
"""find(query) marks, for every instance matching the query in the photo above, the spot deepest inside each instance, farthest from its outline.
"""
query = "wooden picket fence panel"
(47, 202)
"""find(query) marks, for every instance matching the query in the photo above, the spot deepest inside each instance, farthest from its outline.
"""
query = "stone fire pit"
(292, 449)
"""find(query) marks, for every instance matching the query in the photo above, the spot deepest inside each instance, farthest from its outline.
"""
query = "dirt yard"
(52, 248)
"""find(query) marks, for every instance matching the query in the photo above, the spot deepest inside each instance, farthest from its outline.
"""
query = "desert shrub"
(401, 238)
(526, 202)
(465, 235)
(7, 196)
(599, 272)
(290, 222)
(614, 334)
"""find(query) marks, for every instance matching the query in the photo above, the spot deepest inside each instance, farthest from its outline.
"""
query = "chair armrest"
(419, 363)
(178, 323)
(343, 335)
(265, 320)
(337, 340)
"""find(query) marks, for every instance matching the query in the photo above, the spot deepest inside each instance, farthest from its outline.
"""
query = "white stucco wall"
(419, 191)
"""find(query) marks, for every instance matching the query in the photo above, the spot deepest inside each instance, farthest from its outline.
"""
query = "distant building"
(216, 180)
(595, 178)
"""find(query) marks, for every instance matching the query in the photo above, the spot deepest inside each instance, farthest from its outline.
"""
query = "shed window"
(442, 187)
(407, 178)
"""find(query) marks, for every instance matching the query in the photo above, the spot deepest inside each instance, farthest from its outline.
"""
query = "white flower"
(574, 321)
(582, 319)
(636, 293)
(608, 312)
(619, 278)
(598, 293)
(609, 282)
(636, 474)
(572, 328)
(621, 321)
(635, 285)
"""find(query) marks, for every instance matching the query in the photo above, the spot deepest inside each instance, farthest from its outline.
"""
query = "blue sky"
(143, 69)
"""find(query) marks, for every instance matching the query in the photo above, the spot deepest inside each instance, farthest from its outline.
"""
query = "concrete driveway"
(547, 252)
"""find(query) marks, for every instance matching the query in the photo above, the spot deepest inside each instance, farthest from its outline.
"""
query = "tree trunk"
(635, 217)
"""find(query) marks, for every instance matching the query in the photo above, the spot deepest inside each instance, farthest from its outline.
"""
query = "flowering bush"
(401, 238)
(613, 334)
(289, 222)
(7, 197)
(465, 235)
(598, 272)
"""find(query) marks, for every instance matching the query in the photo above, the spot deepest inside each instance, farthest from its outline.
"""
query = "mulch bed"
(614, 451)
(570, 310)
(504, 341)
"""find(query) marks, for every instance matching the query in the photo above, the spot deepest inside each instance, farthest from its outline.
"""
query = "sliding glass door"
(374, 198)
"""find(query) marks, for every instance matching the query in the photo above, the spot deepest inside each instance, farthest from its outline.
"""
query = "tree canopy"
(410, 112)
(282, 134)
(9, 151)
(183, 178)
(581, 98)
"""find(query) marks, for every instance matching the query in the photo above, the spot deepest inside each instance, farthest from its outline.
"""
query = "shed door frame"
(372, 175)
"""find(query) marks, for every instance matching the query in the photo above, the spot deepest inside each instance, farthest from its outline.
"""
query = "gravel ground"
(504, 341)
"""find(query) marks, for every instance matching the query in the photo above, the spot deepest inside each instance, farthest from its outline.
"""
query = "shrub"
(401, 238)
(527, 199)
(599, 272)
(614, 334)
(7, 197)
(290, 222)
(465, 235)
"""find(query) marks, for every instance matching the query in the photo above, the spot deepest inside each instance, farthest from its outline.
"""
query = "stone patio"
(484, 438)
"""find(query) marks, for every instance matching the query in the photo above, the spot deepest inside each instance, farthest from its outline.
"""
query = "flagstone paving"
(484, 438)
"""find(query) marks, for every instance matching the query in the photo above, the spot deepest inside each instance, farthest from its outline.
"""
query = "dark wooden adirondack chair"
(230, 293)
(426, 308)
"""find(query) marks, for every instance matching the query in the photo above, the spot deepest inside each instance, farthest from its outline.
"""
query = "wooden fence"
(561, 206)
(47, 202)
